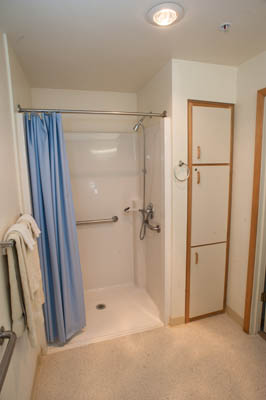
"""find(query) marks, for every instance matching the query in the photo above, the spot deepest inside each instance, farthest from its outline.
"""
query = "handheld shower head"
(138, 124)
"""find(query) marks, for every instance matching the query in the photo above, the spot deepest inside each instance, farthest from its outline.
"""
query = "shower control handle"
(147, 215)
(150, 211)
(155, 228)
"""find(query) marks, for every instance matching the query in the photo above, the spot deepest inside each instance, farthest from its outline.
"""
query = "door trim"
(210, 165)
(200, 103)
(207, 244)
(189, 212)
(212, 314)
(261, 94)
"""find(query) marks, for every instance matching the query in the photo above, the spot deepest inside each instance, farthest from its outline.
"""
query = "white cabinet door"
(210, 196)
(207, 276)
(211, 132)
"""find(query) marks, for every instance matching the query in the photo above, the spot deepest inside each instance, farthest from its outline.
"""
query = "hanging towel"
(25, 233)
(33, 264)
(28, 281)
(30, 221)
(18, 311)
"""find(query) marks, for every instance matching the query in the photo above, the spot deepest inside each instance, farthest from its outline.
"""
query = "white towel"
(18, 311)
(31, 221)
(33, 261)
(31, 283)
(25, 233)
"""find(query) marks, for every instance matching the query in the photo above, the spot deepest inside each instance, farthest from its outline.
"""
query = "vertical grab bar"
(11, 337)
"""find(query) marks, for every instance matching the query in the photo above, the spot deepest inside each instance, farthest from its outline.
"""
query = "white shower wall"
(158, 193)
(154, 245)
(105, 178)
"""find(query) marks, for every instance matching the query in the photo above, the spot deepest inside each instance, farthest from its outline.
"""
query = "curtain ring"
(181, 164)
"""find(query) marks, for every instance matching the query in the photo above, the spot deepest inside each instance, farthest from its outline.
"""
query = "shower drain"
(101, 306)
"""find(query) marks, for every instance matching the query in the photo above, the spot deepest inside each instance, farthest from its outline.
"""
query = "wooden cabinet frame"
(192, 103)
(261, 94)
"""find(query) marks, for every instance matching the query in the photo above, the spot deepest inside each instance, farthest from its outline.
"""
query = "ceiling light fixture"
(165, 14)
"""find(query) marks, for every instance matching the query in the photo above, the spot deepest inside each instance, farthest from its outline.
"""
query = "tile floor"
(211, 359)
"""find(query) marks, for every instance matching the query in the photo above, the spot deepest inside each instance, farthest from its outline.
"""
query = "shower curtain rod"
(97, 112)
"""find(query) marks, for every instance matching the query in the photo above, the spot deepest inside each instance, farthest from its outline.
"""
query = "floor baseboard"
(176, 321)
(235, 316)
(37, 369)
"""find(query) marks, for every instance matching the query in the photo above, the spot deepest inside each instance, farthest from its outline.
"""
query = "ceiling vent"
(225, 27)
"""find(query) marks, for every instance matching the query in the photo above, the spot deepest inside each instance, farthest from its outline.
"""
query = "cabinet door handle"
(198, 152)
(198, 177)
(196, 258)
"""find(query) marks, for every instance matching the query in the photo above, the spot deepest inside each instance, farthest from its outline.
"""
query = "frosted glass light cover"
(165, 14)
(165, 17)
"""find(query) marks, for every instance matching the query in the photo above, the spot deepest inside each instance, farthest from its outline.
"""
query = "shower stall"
(121, 187)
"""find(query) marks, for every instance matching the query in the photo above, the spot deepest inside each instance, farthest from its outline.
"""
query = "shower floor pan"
(113, 312)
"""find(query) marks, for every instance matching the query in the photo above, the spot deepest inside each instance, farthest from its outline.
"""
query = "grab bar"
(97, 221)
(11, 336)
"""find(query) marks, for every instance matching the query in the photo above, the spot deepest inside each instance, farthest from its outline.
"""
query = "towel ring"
(181, 164)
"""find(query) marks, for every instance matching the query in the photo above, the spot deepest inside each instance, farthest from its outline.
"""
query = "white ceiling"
(107, 44)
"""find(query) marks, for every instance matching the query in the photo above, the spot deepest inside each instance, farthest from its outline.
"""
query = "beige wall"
(251, 77)
(198, 81)
(156, 95)
(19, 379)
(170, 89)
(20, 85)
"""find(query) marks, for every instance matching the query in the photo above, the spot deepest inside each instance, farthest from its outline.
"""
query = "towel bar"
(11, 337)
(4, 245)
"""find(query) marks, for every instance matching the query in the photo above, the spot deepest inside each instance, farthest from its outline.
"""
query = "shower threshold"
(128, 310)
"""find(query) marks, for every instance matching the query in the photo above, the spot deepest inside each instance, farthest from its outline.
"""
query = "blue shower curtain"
(64, 310)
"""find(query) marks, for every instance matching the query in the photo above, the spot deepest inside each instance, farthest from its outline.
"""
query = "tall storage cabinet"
(210, 148)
